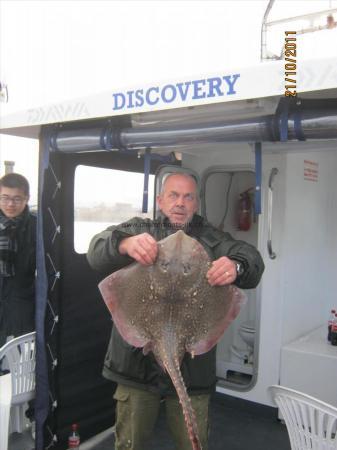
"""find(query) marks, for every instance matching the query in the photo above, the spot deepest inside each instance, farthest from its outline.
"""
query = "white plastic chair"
(18, 355)
(5, 407)
(311, 423)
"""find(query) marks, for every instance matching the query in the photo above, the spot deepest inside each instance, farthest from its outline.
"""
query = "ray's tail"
(172, 366)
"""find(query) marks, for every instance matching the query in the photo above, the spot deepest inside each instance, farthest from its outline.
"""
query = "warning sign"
(310, 170)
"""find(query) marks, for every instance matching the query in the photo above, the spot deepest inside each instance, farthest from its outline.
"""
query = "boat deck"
(235, 425)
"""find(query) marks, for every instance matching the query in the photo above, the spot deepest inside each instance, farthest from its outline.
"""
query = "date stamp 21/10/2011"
(290, 63)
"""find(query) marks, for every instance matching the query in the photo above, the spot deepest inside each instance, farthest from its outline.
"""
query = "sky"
(56, 50)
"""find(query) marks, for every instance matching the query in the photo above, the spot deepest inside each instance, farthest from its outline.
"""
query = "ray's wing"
(125, 293)
(218, 307)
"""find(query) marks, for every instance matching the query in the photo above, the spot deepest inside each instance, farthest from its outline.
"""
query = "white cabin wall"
(269, 295)
(331, 207)
(271, 287)
(298, 286)
(310, 244)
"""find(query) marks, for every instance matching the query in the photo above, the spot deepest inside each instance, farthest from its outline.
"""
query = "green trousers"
(137, 411)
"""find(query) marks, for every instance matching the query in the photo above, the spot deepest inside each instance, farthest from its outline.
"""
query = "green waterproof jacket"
(128, 365)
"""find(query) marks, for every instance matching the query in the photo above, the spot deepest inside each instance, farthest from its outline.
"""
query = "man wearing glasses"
(17, 258)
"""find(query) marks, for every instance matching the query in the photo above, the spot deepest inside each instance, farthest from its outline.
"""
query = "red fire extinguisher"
(245, 211)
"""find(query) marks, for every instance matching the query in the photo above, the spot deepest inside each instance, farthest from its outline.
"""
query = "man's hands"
(142, 247)
(222, 272)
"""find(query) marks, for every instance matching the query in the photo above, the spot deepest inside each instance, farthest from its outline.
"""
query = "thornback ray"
(169, 308)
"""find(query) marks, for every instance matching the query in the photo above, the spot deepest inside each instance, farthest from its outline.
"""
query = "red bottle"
(334, 331)
(332, 316)
(74, 438)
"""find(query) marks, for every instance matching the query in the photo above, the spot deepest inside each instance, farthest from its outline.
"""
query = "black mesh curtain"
(73, 325)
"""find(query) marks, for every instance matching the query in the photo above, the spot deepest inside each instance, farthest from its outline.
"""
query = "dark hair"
(15, 180)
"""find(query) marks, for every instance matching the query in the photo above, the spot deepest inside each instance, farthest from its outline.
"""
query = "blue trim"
(258, 177)
(147, 168)
(298, 126)
(42, 396)
(53, 141)
(106, 138)
(283, 124)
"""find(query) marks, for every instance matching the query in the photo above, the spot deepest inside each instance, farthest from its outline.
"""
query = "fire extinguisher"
(245, 211)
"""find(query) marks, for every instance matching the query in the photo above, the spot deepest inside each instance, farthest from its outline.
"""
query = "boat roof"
(316, 78)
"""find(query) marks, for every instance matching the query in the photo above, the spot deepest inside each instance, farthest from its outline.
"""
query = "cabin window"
(104, 197)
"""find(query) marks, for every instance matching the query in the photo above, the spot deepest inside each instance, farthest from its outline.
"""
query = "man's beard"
(181, 226)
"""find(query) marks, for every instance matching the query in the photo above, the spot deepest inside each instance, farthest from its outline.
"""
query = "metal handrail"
(274, 171)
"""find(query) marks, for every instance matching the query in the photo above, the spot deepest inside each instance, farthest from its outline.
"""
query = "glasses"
(6, 200)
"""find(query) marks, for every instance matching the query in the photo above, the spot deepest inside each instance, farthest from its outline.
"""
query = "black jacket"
(17, 293)
(128, 365)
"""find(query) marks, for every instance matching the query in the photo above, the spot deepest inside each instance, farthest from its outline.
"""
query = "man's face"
(12, 201)
(179, 200)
